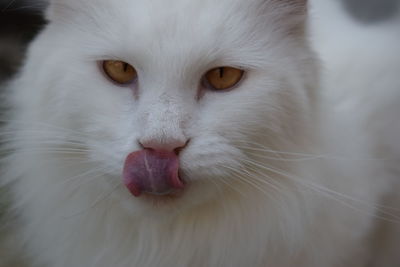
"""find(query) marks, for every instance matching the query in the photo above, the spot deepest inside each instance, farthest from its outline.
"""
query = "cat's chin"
(167, 199)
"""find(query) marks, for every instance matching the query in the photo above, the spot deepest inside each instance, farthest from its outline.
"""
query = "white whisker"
(339, 197)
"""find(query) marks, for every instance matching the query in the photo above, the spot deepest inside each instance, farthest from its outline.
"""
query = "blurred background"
(20, 20)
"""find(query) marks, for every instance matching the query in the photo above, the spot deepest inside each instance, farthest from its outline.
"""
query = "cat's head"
(224, 81)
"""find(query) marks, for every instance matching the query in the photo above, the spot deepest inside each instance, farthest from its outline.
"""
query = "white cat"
(197, 133)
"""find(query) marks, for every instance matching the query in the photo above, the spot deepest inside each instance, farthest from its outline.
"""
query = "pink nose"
(170, 145)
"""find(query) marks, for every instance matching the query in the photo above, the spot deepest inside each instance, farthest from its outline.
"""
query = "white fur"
(280, 172)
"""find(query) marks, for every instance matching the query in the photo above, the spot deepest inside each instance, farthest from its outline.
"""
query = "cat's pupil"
(221, 72)
(125, 67)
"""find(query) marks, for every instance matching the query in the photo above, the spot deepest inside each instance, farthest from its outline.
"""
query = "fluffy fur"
(281, 171)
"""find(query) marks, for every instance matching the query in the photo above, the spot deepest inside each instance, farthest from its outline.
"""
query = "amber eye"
(223, 77)
(119, 71)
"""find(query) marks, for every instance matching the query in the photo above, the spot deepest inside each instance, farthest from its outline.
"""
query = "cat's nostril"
(172, 145)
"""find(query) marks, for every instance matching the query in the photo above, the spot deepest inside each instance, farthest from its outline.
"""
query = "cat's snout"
(155, 169)
(152, 171)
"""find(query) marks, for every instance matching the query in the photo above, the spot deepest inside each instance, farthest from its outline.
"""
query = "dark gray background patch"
(371, 11)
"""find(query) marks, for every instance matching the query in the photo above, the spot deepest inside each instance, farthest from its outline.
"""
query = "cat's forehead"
(172, 17)
(177, 28)
(181, 19)
(177, 18)
(204, 11)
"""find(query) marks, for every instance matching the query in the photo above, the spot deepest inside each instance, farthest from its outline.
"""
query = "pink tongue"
(152, 171)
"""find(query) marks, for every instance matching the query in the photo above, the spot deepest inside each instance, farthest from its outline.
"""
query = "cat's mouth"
(153, 173)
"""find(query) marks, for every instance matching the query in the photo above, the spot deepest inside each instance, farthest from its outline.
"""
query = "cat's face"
(172, 45)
